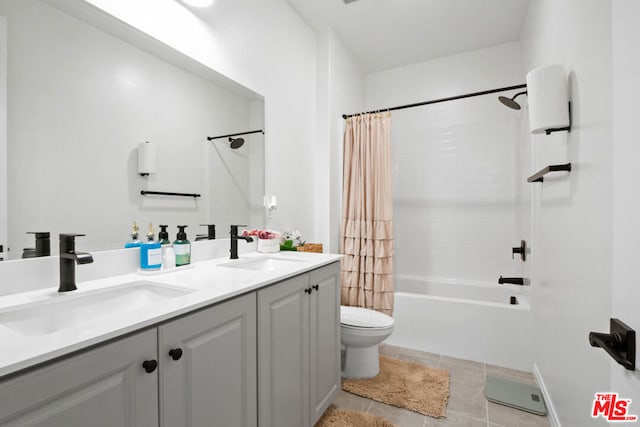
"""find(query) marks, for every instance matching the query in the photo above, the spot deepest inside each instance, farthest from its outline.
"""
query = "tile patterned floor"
(467, 406)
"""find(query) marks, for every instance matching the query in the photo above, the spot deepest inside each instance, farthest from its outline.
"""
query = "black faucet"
(512, 280)
(68, 259)
(43, 245)
(234, 240)
(211, 233)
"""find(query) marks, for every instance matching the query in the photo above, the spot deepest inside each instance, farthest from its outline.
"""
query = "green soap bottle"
(182, 247)
(163, 235)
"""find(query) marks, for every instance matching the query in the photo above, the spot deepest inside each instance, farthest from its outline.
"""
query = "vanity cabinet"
(324, 339)
(201, 368)
(269, 358)
(208, 367)
(298, 348)
(102, 387)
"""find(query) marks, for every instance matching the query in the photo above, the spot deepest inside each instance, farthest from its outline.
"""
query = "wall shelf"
(538, 176)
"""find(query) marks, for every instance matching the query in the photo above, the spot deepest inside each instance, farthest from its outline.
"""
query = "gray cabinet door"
(283, 353)
(102, 387)
(213, 383)
(324, 336)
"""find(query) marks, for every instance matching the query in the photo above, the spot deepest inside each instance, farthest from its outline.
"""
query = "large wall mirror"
(81, 91)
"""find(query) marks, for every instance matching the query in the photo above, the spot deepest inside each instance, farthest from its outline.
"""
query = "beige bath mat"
(406, 385)
(345, 418)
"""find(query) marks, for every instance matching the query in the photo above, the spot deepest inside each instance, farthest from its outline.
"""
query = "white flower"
(295, 236)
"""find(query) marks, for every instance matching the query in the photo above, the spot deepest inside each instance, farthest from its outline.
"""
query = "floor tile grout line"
(400, 351)
(486, 404)
(370, 406)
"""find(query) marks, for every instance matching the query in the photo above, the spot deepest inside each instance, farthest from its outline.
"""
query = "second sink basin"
(74, 310)
(262, 264)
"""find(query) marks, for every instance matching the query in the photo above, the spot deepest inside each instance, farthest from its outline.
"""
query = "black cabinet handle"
(308, 290)
(316, 287)
(150, 365)
(175, 353)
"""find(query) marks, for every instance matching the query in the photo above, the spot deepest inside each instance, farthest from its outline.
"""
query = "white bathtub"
(470, 321)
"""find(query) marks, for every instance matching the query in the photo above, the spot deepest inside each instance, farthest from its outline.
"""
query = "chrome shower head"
(236, 142)
(510, 102)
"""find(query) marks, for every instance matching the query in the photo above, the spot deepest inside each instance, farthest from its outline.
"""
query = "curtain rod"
(209, 138)
(435, 101)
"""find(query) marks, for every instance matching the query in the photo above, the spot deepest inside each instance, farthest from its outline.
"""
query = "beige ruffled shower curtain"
(366, 234)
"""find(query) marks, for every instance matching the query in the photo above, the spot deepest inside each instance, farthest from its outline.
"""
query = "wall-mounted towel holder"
(620, 343)
(538, 176)
(164, 193)
(560, 129)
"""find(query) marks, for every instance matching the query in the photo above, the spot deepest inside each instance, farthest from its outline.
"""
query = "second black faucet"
(234, 240)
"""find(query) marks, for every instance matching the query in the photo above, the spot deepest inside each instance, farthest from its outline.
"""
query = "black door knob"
(150, 365)
(175, 353)
(316, 287)
(308, 290)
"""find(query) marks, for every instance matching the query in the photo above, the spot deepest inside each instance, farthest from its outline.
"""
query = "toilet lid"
(364, 318)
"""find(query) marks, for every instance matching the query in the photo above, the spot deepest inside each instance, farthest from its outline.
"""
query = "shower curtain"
(366, 235)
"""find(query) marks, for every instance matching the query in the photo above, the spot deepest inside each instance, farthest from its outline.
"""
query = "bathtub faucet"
(512, 280)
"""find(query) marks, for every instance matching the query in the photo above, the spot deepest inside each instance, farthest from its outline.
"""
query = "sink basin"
(74, 310)
(262, 264)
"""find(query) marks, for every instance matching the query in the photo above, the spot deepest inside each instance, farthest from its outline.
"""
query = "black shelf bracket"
(164, 193)
(538, 176)
(620, 343)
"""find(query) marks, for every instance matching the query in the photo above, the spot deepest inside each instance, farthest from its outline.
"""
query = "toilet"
(361, 330)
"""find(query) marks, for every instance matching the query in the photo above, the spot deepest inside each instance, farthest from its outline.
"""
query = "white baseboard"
(551, 411)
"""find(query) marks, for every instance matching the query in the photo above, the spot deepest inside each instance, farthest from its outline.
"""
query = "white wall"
(626, 176)
(340, 91)
(79, 103)
(571, 248)
(3, 137)
(266, 46)
(456, 165)
(453, 75)
(256, 149)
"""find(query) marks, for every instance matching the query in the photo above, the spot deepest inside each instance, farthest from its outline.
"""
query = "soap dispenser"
(134, 242)
(150, 252)
(168, 256)
(163, 236)
(182, 247)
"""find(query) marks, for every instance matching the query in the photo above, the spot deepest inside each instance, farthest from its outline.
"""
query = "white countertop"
(209, 282)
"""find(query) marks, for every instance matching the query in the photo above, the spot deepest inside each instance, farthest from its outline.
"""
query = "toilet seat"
(358, 317)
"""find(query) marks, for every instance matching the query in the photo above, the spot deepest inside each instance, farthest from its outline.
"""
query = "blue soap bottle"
(134, 242)
(150, 253)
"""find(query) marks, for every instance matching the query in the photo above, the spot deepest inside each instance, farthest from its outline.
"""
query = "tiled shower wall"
(458, 165)
(456, 190)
